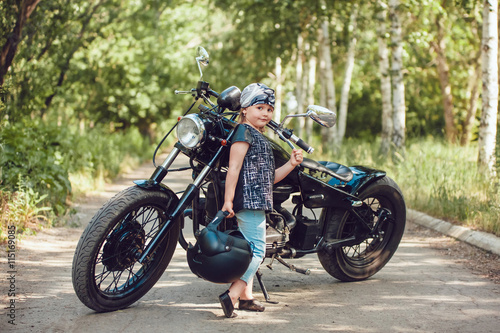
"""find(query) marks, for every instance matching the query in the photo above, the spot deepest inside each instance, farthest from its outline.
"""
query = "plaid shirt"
(255, 183)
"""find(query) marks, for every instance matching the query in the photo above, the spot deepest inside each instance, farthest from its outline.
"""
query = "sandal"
(227, 305)
(251, 305)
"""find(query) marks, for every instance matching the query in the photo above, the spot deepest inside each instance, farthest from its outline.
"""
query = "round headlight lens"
(190, 131)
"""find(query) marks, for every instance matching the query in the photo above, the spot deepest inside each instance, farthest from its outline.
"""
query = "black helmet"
(219, 257)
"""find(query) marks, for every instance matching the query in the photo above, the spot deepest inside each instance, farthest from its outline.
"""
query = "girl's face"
(258, 115)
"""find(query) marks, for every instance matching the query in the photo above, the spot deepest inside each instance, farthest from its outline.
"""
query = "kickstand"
(263, 288)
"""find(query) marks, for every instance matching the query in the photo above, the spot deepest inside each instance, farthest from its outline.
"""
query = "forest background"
(87, 90)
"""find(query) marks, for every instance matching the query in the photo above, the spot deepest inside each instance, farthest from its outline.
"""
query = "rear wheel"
(106, 274)
(360, 261)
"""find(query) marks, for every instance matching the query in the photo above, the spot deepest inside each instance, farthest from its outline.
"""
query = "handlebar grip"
(213, 93)
(302, 144)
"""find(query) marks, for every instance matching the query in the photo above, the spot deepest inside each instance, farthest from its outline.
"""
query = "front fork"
(187, 197)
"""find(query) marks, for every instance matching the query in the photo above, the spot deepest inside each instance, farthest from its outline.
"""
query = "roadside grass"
(22, 212)
(436, 178)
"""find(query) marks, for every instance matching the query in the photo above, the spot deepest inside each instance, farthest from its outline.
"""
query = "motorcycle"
(130, 241)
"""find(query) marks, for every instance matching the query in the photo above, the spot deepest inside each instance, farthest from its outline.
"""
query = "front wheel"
(360, 261)
(106, 274)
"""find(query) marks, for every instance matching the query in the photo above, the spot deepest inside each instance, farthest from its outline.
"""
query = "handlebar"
(302, 144)
(202, 88)
(287, 136)
(213, 93)
(284, 133)
(180, 92)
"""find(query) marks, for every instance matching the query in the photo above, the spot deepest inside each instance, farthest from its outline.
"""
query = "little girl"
(249, 187)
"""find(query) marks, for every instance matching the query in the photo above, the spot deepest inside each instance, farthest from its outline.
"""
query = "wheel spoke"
(147, 216)
(151, 219)
(99, 278)
(114, 279)
(130, 276)
(363, 250)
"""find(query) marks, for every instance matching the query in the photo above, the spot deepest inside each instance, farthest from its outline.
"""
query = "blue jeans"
(252, 224)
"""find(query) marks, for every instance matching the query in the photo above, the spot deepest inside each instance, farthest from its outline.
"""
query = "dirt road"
(420, 290)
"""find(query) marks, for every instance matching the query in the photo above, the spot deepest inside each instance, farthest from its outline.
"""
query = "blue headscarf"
(257, 93)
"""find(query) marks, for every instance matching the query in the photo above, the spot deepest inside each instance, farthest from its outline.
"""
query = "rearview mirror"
(202, 57)
(321, 115)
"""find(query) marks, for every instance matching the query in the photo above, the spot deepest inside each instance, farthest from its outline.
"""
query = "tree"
(398, 88)
(326, 77)
(488, 126)
(385, 78)
(78, 42)
(439, 47)
(23, 10)
(346, 84)
(299, 89)
(472, 106)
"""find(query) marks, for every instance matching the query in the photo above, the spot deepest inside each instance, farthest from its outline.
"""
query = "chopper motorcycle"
(130, 241)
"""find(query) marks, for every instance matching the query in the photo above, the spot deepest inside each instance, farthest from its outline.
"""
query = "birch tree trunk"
(488, 125)
(398, 88)
(473, 90)
(278, 90)
(472, 108)
(322, 92)
(328, 83)
(311, 83)
(299, 90)
(346, 85)
(385, 79)
(444, 73)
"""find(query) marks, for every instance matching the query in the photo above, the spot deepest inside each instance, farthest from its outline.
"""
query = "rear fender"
(363, 177)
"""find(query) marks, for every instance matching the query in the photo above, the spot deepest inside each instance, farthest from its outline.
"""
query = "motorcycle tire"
(106, 275)
(360, 261)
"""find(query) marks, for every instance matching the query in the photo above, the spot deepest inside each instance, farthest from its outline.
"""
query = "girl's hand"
(296, 158)
(228, 207)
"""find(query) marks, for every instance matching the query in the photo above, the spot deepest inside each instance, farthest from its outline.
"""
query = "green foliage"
(119, 61)
(100, 153)
(35, 154)
(22, 209)
(38, 160)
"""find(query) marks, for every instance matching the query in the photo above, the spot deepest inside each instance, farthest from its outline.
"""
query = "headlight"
(191, 131)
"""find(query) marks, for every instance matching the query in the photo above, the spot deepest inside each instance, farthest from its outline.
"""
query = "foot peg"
(293, 268)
